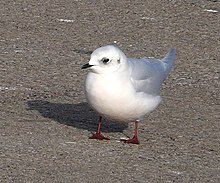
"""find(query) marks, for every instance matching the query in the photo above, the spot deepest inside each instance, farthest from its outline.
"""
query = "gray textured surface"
(45, 122)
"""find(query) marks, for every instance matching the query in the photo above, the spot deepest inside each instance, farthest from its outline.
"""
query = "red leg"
(98, 134)
(134, 139)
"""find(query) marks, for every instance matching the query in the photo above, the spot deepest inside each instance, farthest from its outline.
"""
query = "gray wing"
(147, 75)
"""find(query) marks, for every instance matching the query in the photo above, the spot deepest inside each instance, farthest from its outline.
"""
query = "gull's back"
(147, 75)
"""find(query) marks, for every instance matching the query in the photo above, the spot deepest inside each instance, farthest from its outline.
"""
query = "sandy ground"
(45, 121)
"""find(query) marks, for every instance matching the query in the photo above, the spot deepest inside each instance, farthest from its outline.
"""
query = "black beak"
(85, 66)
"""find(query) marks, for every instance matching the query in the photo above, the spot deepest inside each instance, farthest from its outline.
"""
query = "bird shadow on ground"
(76, 115)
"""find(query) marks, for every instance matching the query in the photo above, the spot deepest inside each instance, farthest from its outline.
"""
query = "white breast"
(118, 100)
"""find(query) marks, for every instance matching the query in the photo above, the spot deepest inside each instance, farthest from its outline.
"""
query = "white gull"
(124, 89)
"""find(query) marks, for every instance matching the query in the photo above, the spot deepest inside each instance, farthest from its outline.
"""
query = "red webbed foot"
(98, 136)
(133, 140)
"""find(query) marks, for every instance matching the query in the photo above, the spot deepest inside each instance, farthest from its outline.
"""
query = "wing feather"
(147, 74)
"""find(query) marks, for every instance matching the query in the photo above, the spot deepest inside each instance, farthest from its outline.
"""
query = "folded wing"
(147, 75)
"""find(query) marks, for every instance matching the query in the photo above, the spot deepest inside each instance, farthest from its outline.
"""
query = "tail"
(168, 60)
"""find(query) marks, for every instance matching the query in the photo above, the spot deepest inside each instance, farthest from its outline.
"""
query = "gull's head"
(107, 59)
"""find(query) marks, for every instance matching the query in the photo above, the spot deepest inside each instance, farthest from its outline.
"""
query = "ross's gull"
(124, 89)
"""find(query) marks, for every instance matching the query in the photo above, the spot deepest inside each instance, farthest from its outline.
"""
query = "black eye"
(105, 60)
